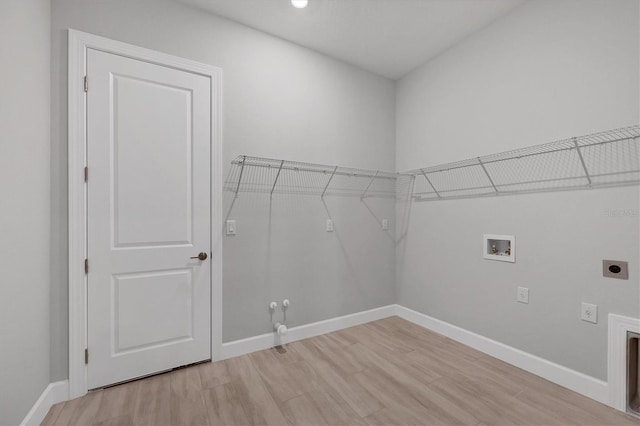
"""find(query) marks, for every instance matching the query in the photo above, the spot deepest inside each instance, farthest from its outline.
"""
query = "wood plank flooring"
(387, 372)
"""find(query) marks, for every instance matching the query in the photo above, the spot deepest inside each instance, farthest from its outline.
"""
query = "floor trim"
(269, 340)
(54, 393)
(578, 382)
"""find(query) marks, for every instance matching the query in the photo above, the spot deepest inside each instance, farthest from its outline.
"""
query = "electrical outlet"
(615, 269)
(589, 312)
(231, 227)
(523, 295)
(385, 224)
(329, 225)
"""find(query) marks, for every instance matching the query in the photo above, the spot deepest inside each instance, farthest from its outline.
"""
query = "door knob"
(202, 256)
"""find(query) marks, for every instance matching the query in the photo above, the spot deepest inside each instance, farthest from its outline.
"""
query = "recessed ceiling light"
(299, 4)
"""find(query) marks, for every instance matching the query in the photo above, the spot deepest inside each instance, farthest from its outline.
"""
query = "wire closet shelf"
(602, 159)
(273, 176)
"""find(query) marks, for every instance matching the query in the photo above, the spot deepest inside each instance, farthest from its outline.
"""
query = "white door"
(148, 156)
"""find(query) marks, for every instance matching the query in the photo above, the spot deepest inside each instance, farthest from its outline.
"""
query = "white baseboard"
(581, 383)
(269, 340)
(54, 393)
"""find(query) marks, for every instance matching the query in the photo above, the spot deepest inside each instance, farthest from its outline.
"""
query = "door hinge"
(86, 83)
(86, 266)
(86, 356)
(86, 174)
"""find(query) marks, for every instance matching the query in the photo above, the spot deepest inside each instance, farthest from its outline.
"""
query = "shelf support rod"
(430, 184)
(329, 181)
(368, 186)
(244, 160)
(487, 173)
(277, 176)
(584, 165)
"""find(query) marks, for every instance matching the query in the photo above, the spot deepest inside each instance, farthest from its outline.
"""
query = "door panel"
(149, 134)
(168, 319)
(159, 135)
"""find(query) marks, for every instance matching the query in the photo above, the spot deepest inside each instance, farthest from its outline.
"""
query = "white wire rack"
(272, 176)
(603, 159)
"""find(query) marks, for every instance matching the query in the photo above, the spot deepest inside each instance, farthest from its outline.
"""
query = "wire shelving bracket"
(605, 159)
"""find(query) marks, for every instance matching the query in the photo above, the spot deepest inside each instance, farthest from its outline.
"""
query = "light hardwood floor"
(387, 372)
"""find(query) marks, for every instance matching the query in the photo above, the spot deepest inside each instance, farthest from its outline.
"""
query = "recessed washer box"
(499, 247)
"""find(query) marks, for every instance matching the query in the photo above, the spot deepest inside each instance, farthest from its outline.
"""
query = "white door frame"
(79, 42)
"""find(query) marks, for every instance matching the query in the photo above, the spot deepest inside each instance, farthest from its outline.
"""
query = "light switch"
(385, 224)
(231, 227)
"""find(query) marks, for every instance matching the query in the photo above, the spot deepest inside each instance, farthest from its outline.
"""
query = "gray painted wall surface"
(285, 252)
(548, 70)
(280, 101)
(24, 226)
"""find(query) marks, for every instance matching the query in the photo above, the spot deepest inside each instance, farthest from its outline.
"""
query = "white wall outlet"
(589, 312)
(522, 295)
(329, 225)
(385, 224)
(231, 227)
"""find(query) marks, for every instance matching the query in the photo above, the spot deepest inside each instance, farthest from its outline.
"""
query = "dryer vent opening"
(633, 373)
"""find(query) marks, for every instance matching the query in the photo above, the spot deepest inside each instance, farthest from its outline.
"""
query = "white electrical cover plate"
(589, 312)
(231, 227)
(522, 295)
(329, 225)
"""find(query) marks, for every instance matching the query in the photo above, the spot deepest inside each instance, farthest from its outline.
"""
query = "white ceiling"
(387, 37)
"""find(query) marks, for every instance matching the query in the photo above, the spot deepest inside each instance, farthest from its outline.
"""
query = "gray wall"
(24, 211)
(551, 69)
(280, 101)
(282, 250)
